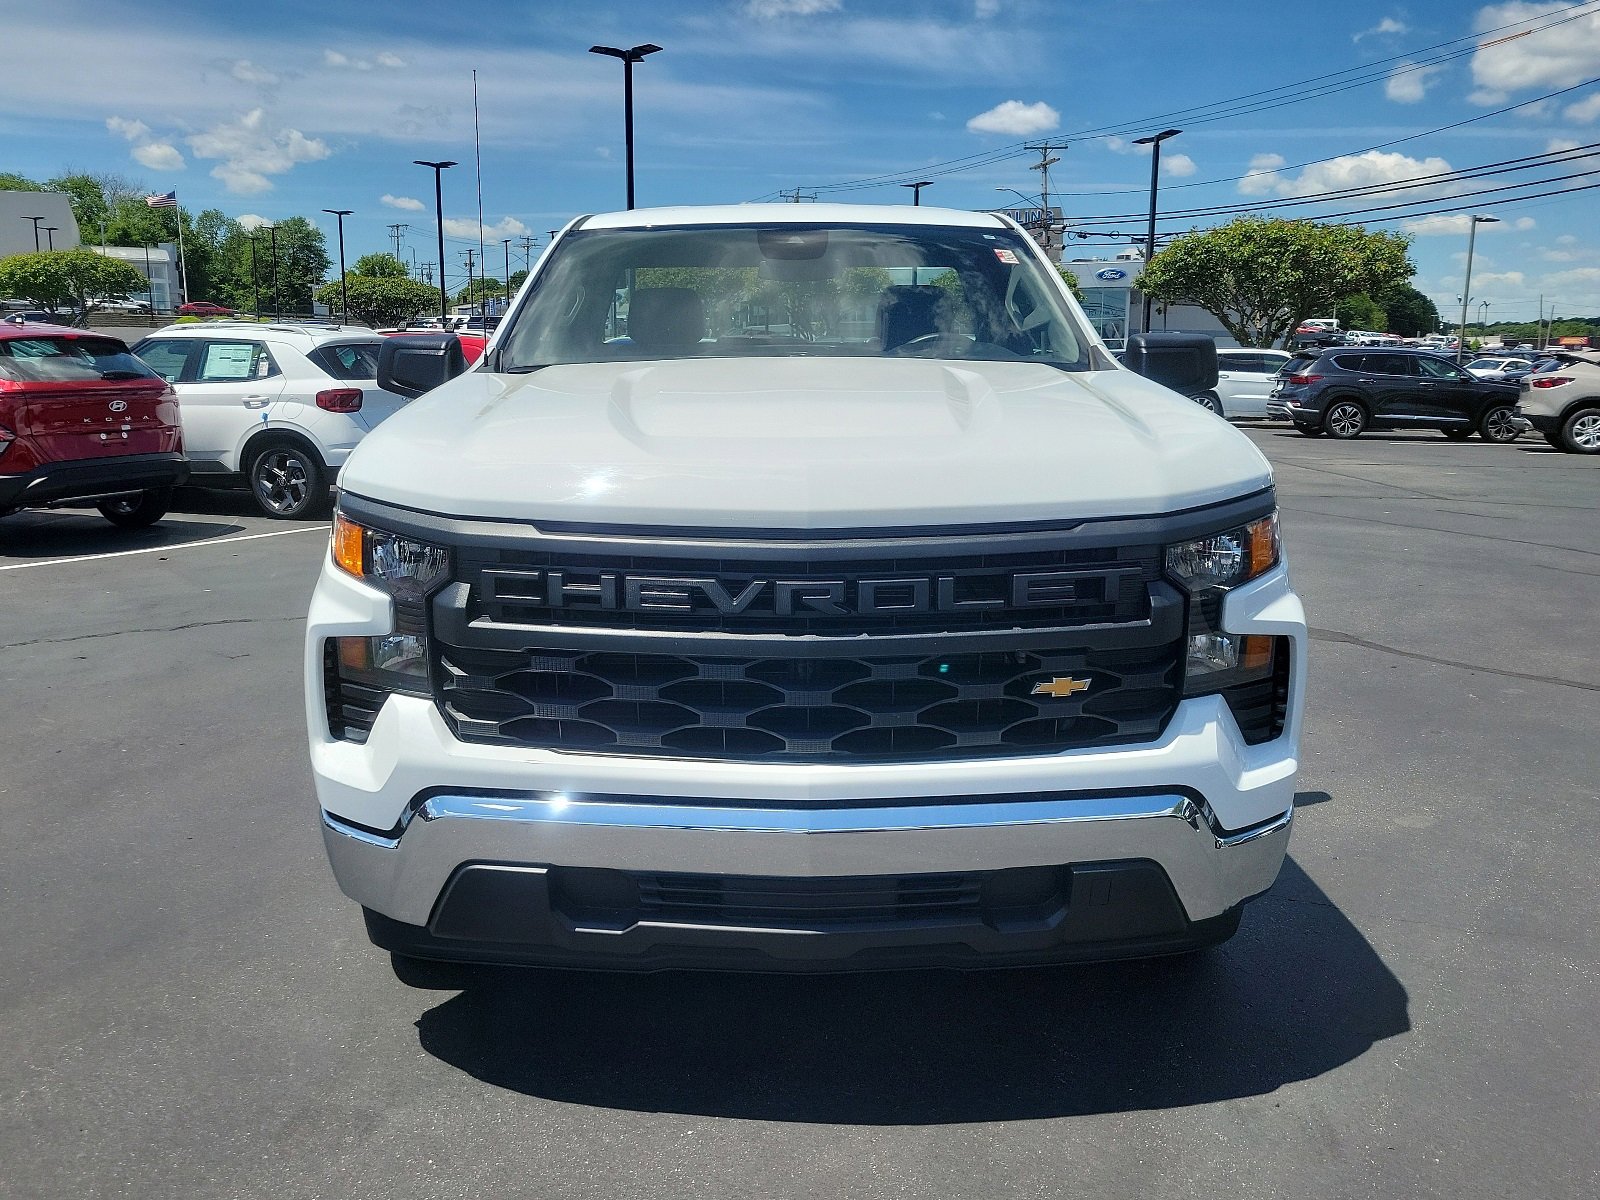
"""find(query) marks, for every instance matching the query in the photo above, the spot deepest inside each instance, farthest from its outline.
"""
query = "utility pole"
(506, 242)
(796, 196)
(527, 252)
(395, 231)
(1044, 150)
(470, 277)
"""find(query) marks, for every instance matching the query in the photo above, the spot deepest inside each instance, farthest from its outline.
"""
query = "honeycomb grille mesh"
(808, 710)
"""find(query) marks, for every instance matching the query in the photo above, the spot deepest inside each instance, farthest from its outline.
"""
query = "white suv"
(278, 407)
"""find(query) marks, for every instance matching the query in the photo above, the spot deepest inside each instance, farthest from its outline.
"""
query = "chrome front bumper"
(403, 872)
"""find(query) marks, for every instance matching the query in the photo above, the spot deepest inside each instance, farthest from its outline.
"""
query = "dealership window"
(1107, 310)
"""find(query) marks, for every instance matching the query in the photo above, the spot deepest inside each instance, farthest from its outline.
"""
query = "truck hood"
(798, 443)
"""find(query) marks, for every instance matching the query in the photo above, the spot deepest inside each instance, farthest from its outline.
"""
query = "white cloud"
(1457, 223)
(459, 227)
(1523, 224)
(1178, 166)
(1585, 110)
(1497, 279)
(1387, 25)
(768, 9)
(250, 222)
(246, 71)
(408, 203)
(1517, 60)
(1408, 83)
(1346, 171)
(1567, 239)
(251, 150)
(1557, 145)
(983, 10)
(332, 58)
(132, 130)
(1573, 280)
(1016, 118)
(159, 156)
(390, 60)
(1261, 177)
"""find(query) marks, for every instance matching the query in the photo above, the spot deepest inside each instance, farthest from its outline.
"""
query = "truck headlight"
(1250, 671)
(361, 672)
(1226, 559)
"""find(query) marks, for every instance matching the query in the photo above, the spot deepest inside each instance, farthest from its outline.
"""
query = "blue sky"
(283, 108)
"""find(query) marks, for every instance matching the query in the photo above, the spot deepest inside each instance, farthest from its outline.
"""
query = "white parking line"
(248, 537)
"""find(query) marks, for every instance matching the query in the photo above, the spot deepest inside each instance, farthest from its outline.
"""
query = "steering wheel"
(937, 345)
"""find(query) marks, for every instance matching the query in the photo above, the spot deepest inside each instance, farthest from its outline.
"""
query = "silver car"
(1245, 378)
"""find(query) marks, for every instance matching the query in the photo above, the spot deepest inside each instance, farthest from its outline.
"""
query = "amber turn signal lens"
(1255, 654)
(1263, 545)
(348, 545)
(355, 653)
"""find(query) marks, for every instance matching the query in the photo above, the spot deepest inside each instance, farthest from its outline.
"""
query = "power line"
(1437, 179)
(1312, 88)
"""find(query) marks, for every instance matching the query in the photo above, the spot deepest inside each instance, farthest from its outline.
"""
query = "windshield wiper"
(525, 368)
(120, 375)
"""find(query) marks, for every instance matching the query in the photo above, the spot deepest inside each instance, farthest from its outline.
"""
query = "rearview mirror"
(410, 364)
(1184, 362)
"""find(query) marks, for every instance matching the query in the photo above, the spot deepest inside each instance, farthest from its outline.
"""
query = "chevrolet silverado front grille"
(860, 708)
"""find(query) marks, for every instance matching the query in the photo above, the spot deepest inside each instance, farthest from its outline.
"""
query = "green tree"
(1410, 313)
(381, 300)
(518, 278)
(380, 266)
(1073, 286)
(1261, 277)
(61, 281)
(10, 181)
(478, 289)
(302, 264)
(1360, 312)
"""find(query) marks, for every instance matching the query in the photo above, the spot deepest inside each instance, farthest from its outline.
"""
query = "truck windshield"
(778, 290)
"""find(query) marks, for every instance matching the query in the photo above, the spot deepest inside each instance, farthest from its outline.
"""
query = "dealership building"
(1116, 308)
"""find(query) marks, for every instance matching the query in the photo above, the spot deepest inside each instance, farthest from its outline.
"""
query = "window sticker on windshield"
(1009, 257)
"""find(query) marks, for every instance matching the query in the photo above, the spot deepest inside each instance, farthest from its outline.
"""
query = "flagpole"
(183, 259)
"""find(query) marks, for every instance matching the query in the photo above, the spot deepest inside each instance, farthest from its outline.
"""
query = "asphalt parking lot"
(188, 1006)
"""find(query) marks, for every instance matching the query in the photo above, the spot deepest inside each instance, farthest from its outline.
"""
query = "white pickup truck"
(801, 588)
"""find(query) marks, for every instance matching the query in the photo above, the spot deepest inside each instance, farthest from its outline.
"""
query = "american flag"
(170, 200)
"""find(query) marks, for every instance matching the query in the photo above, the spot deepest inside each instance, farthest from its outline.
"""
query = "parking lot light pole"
(629, 56)
(344, 290)
(50, 232)
(916, 190)
(1154, 142)
(1466, 288)
(35, 221)
(438, 216)
(255, 279)
(277, 304)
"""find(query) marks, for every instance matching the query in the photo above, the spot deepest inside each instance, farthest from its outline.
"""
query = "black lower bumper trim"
(625, 921)
(52, 482)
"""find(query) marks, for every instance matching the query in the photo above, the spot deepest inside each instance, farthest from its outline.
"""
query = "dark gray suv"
(1345, 390)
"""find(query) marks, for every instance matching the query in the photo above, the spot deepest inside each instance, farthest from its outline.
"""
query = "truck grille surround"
(950, 665)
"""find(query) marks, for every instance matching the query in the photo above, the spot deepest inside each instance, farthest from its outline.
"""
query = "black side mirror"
(1184, 362)
(410, 364)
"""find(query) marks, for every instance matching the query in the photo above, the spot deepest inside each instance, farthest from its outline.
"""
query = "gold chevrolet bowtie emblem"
(1061, 687)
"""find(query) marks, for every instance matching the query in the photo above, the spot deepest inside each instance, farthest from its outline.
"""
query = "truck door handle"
(257, 401)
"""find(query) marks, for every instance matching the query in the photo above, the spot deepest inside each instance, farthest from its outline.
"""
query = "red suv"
(203, 308)
(83, 420)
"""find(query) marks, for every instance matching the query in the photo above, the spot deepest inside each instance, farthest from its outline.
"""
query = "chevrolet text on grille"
(615, 590)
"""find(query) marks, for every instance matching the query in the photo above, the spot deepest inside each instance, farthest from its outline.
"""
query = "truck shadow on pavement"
(1298, 992)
